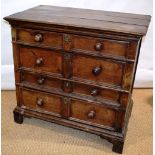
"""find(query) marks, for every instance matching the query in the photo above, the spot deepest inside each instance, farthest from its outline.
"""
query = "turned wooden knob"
(39, 61)
(98, 47)
(96, 71)
(91, 114)
(38, 38)
(94, 92)
(40, 80)
(40, 101)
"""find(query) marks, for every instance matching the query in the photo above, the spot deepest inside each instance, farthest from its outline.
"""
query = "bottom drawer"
(92, 113)
(41, 101)
(80, 111)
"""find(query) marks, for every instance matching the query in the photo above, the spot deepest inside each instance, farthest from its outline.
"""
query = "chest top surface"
(84, 18)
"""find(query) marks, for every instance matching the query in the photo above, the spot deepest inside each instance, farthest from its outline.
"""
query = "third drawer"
(76, 89)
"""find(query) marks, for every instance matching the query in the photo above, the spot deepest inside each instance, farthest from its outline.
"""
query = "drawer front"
(41, 59)
(98, 70)
(92, 114)
(103, 46)
(46, 38)
(96, 92)
(41, 80)
(41, 101)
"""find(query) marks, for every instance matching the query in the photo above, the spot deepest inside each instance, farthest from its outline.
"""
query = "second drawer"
(100, 71)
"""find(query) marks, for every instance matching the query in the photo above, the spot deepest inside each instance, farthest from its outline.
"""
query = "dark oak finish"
(39, 59)
(102, 46)
(40, 37)
(120, 22)
(100, 93)
(40, 101)
(76, 67)
(18, 118)
(41, 80)
(96, 114)
(98, 70)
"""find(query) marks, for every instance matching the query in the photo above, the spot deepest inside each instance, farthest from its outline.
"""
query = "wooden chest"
(76, 67)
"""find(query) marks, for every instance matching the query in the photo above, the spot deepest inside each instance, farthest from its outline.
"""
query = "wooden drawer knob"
(40, 80)
(40, 101)
(95, 92)
(38, 38)
(91, 114)
(96, 71)
(98, 47)
(39, 61)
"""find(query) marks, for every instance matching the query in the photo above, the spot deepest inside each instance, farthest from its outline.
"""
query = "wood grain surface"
(111, 21)
(76, 67)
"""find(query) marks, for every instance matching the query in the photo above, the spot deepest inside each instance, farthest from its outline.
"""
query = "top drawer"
(89, 45)
(45, 38)
(107, 47)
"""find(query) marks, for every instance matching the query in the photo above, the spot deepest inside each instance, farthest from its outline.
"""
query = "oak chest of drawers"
(76, 67)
